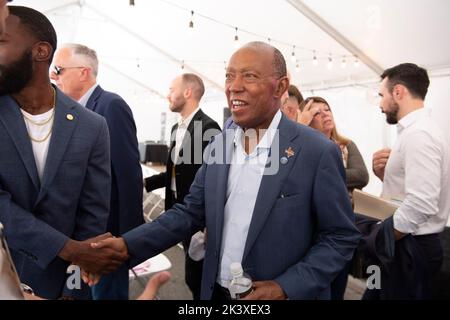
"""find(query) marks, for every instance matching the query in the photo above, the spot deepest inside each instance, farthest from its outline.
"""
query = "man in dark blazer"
(271, 194)
(189, 137)
(54, 164)
(78, 69)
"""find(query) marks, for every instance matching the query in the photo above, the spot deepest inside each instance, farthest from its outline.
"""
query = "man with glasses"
(54, 163)
(75, 71)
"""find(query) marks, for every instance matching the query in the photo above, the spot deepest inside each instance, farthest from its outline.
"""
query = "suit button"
(211, 286)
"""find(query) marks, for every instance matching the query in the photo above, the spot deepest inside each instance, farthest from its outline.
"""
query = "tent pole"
(336, 35)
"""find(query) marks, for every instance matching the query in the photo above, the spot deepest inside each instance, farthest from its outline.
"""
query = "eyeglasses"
(58, 70)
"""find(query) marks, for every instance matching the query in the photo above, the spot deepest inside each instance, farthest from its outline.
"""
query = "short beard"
(392, 116)
(17, 75)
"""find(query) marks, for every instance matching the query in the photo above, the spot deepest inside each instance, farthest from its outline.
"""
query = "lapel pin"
(284, 160)
(289, 152)
(69, 117)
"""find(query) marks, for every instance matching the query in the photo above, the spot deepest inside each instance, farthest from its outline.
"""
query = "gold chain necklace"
(44, 122)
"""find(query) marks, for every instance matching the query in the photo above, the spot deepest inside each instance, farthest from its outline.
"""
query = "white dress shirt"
(85, 98)
(183, 124)
(417, 173)
(244, 179)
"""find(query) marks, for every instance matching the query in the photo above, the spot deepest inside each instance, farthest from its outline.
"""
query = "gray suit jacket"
(71, 201)
(302, 231)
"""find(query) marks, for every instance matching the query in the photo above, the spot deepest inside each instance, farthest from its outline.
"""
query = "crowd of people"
(273, 191)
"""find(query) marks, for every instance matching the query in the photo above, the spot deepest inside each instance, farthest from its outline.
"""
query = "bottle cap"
(236, 269)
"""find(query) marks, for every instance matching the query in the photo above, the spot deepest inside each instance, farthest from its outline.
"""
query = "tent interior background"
(143, 47)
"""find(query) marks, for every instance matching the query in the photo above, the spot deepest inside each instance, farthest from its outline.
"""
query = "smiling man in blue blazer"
(271, 194)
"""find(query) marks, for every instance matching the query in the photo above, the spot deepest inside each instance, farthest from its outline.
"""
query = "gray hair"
(87, 55)
(279, 63)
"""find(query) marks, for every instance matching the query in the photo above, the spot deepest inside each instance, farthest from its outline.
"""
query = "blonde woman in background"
(316, 113)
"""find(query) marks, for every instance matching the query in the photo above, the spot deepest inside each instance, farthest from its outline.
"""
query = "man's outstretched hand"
(93, 256)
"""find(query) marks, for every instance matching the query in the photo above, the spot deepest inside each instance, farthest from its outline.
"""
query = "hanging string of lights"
(326, 56)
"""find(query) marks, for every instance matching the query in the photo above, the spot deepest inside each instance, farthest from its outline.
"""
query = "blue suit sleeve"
(14, 217)
(336, 234)
(175, 225)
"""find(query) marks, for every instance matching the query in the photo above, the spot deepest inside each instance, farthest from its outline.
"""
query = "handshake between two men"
(95, 256)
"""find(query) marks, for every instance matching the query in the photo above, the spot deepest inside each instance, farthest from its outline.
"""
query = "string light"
(297, 67)
(356, 64)
(293, 57)
(330, 62)
(182, 65)
(236, 39)
(191, 24)
(276, 42)
(343, 63)
(315, 61)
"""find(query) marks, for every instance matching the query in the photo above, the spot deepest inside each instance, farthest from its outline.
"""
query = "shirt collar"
(412, 118)
(185, 122)
(85, 98)
(267, 138)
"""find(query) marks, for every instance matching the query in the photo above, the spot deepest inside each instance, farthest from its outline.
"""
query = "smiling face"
(252, 88)
(323, 121)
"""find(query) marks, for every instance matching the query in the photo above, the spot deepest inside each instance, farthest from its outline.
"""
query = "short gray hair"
(88, 55)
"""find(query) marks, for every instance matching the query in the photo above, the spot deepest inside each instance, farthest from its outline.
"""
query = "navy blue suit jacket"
(71, 201)
(126, 173)
(302, 231)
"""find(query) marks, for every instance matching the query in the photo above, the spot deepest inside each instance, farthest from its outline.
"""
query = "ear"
(42, 51)
(85, 74)
(398, 92)
(282, 86)
(187, 93)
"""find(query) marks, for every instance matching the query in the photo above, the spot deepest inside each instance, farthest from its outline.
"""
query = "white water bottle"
(241, 284)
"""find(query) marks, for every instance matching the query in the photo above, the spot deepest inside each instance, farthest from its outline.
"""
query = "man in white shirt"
(415, 171)
(190, 136)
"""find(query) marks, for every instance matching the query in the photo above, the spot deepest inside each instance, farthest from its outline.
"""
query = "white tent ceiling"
(154, 35)
(141, 50)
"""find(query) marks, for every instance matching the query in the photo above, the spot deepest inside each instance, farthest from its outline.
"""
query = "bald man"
(271, 194)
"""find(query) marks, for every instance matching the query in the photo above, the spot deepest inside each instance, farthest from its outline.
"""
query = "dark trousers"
(220, 293)
(113, 286)
(192, 272)
(432, 253)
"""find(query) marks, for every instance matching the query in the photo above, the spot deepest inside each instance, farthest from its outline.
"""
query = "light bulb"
(343, 63)
(330, 64)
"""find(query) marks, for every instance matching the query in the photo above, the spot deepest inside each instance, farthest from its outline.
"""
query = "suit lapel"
(65, 122)
(12, 119)
(188, 139)
(222, 182)
(270, 187)
(92, 101)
